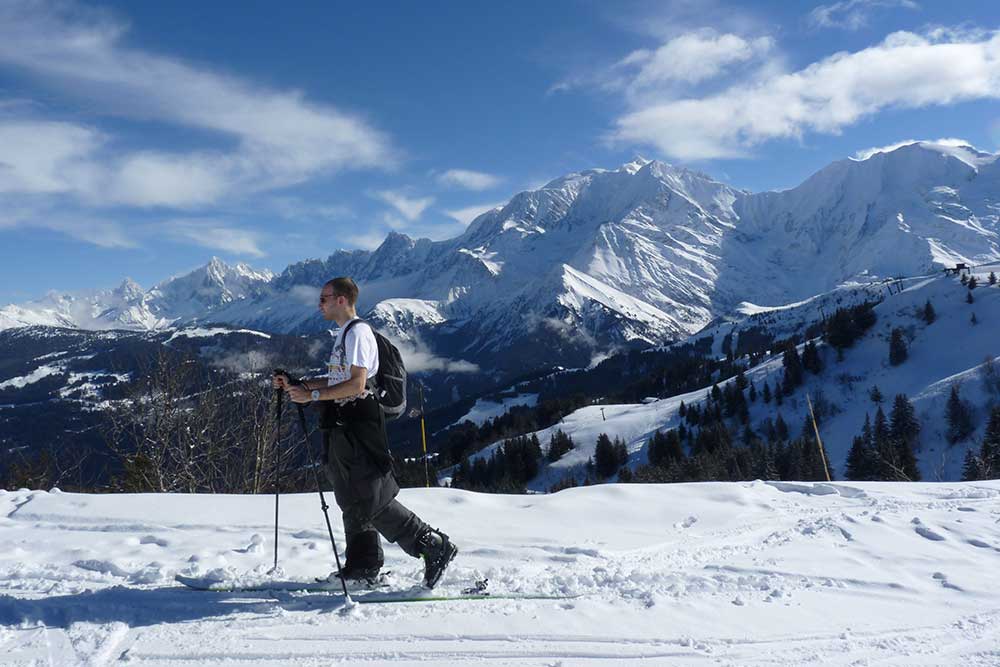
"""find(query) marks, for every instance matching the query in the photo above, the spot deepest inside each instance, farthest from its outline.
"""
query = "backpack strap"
(369, 381)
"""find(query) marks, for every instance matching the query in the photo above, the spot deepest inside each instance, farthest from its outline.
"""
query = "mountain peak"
(956, 148)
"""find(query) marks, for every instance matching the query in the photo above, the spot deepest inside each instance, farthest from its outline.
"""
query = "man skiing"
(357, 459)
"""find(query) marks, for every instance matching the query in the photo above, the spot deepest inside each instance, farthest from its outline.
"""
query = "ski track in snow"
(728, 574)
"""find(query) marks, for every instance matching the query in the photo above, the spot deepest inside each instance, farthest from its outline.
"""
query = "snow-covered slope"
(685, 574)
(950, 351)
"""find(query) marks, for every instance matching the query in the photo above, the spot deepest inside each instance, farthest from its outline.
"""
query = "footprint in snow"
(940, 576)
(925, 532)
(256, 545)
(980, 544)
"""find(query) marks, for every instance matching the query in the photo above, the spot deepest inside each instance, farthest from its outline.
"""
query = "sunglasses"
(324, 297)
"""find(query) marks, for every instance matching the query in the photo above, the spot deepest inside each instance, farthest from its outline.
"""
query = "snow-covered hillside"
(732, 574)
(948, 352)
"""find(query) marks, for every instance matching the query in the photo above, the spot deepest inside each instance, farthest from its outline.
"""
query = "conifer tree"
(793, 369)
(971, 468)
(959, 417)
(992, 279)
(780, 428)
(741, 380)
(884, 448)
(968, 298)
(767, 392)
(858, 461)
(929, 314)
(605, 457)
(990, 453)
(811, 360)
(964, 279)
(973, 283)
(559, 444)
(904, 428)
(897, 347)
(875, 395)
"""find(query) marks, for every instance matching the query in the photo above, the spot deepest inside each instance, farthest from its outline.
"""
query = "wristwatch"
(315, 394)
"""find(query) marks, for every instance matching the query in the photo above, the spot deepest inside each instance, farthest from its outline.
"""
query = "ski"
(365, 596)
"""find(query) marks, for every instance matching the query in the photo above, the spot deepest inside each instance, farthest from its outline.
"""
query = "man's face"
(331, 306)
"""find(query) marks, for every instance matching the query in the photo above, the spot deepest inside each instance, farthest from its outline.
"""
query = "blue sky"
(140, 139)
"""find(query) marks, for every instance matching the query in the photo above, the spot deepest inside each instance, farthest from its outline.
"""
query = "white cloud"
(906, 70)
(278, 137)
(469, 180)
(410, 208)
(216, 235)
(868, 152)
(47, 157)
(470, 213)
(689, 58)
(418, 357)
(853, 14)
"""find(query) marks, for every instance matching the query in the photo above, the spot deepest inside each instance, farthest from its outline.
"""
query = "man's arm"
(352, 386)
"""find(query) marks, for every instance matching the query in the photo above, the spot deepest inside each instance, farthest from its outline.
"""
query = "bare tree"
(188, 428)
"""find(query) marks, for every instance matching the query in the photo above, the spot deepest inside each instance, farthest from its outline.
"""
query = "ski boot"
(437, 551)
(356, 578)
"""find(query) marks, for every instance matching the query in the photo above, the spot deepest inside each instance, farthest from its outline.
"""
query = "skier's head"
(337, 299)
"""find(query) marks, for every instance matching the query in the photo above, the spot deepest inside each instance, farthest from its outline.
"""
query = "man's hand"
(298, 394)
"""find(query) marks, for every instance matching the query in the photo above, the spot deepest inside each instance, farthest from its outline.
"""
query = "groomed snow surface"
(688, 574)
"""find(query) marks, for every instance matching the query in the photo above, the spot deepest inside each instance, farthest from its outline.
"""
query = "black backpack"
(389, 383)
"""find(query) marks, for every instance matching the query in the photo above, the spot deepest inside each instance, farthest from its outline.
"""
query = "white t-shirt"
(360, 349)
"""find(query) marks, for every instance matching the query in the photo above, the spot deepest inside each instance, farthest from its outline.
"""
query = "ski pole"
(278, 394)
(423, 435)
(322, 498)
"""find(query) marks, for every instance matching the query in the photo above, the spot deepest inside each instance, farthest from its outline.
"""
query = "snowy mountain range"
(641, 255)
(184, 298)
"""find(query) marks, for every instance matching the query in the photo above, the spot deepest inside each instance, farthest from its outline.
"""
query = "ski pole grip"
(291, 380)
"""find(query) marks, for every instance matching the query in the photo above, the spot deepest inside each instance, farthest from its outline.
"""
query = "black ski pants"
(359, 467)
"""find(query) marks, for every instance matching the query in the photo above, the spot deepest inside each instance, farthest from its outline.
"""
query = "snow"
(728, 573)
(201, 332)
(34, 376)
(485, 408)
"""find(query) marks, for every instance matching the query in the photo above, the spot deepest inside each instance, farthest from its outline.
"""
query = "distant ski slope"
(951, 350)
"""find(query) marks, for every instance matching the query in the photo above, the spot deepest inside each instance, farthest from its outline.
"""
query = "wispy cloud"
(906, 70)
(264, 138)
(469, 180)
(470, 213)
(853, 14)
(410, 208)
(215, 235)
(868, 152)
(690, 58)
